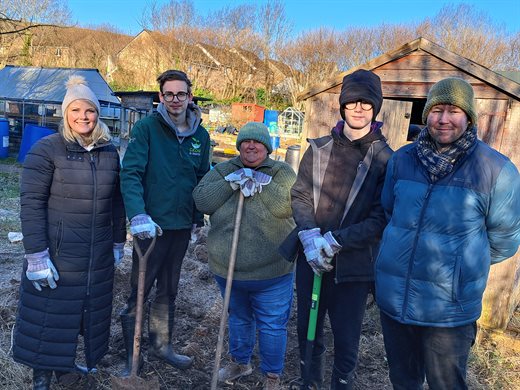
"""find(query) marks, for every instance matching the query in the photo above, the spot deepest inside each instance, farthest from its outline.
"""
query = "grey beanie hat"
(78, 89)
(256, 131)
(454, 91)
(361, 85)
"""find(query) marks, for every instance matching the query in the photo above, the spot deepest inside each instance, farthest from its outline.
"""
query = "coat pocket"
(457, 274)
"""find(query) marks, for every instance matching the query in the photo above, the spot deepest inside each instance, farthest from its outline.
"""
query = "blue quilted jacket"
(442, 237)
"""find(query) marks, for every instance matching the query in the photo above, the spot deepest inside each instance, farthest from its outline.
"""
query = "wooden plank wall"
(502, 294)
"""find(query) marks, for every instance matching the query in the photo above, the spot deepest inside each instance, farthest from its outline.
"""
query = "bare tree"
(469, 33)
(17, 20)
(307, 64)
(274, 29)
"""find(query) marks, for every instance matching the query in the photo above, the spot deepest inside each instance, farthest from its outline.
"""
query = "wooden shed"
(407, 74)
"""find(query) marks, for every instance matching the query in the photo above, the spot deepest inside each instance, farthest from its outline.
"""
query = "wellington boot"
(341, 380)
(128, 329)
(160, 329)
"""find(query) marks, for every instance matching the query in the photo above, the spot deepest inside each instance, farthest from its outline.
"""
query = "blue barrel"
(271, 119)
(31, 134)
(4, 138)
(275, 141)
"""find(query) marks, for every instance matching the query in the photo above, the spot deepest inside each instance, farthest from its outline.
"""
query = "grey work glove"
(242, 179)
(261, 179)
(317, 250)
(119, 252)
(329, 237)
(41, 271)
(142, 226)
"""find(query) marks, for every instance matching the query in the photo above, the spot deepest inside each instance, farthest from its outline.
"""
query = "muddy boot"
(42, 379)
(272, 382)
(160, 330)
(342, 381)
(234, 370)
(316, 374)
(128, 329)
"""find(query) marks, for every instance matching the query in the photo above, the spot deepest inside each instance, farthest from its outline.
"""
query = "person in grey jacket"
(337, 208)
(73, 222)
(453, 205)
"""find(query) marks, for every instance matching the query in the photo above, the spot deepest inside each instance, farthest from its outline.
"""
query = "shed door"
(395, 116)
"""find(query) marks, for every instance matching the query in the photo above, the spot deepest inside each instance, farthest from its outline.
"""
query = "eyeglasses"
(365, 106)
(169, 96)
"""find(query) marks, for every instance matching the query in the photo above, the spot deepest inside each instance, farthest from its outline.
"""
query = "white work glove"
(249, 181)
(144, 227)
(243, 179)
(317, 250)
(261, 179)
(119, 252)
(41, 271)
(329, 237)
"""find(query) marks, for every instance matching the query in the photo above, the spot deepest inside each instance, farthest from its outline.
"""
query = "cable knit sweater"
(266, 221)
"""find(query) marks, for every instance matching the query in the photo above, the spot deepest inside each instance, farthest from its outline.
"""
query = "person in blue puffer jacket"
(453, 205)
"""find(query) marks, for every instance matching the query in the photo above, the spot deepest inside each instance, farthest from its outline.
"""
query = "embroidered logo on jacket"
(195, 147)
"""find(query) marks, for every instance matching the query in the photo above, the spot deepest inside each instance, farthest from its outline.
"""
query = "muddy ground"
(198, 315)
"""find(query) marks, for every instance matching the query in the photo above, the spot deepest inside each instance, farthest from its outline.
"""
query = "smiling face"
(252, 153)
(175, 107)
(446, 124)
(82, 117)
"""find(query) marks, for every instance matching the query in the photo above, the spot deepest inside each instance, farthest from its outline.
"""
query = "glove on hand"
(261, 179)
(143, 227)
(329, 237)
(317, 250)
(41, 271)
(119, 252)
(243, 179)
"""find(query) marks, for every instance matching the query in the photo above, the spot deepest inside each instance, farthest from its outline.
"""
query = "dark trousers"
(345, 304)
(164, 267)
(439, 354)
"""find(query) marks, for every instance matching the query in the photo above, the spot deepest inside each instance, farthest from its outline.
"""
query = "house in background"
(224, 71)
(407, 74)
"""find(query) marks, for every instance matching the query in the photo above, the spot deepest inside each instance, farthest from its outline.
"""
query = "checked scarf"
(439, 164)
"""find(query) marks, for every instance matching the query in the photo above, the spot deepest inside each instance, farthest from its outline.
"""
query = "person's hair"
(170, 75)
(100, 133)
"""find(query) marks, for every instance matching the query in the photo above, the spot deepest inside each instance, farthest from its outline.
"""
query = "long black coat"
(71, 204)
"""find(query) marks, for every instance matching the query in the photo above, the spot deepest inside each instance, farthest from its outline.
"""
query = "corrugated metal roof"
(48, 84)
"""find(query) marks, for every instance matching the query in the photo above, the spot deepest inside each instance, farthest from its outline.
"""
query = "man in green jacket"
(167, 155)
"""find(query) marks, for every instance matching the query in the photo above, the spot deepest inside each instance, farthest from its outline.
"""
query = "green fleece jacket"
(266, 221)
(161, 169)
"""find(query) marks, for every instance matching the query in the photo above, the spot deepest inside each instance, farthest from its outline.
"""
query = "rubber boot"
(317, 372)
(342, 381)
(128, 329)
(42, 379)
(160, 330)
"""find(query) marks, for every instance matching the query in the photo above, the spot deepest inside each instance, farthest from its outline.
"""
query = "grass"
(10, 161)
(9, 185)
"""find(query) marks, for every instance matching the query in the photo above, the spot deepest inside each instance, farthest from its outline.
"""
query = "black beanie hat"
(361, 85)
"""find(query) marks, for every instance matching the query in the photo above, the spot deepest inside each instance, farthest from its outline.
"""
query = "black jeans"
(345, 304)
(439, 354)
(164, 266)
